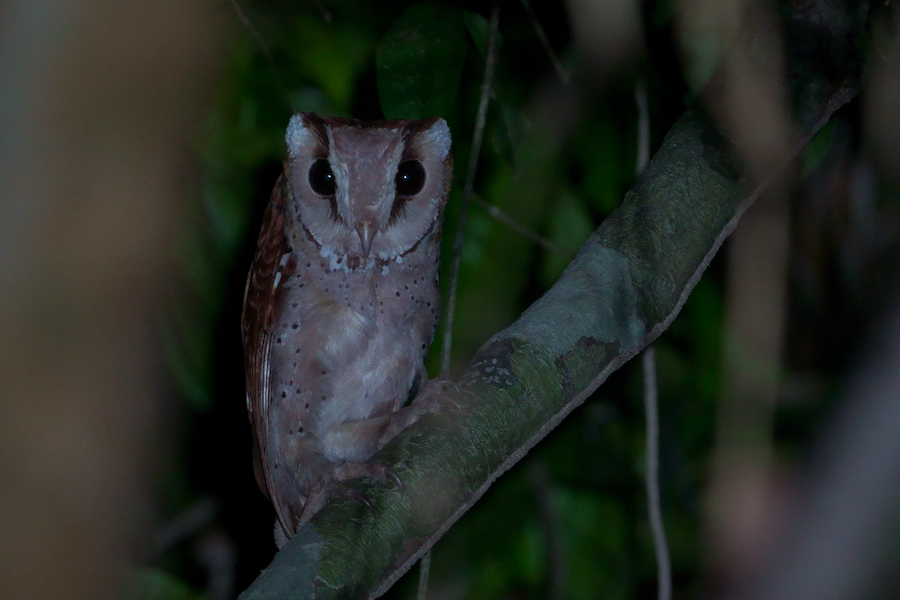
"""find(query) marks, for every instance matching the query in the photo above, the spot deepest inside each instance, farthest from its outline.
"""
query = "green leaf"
(331, 56)
(478, 28)
(419, 62)
(817, 148)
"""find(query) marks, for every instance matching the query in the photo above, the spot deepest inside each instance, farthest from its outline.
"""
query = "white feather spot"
(336, 262)
(281, 263)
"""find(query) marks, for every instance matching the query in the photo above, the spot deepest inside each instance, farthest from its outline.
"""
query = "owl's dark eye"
(321, 178)
(410, 178)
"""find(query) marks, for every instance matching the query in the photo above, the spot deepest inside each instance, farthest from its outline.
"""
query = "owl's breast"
(319, 336)
(350, 345)
(331, 323)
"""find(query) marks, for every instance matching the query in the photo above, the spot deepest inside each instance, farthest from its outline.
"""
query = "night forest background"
(753, 374)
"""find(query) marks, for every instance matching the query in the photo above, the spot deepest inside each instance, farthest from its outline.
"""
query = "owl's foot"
(334, 484)
(349, 471)
(433, 399)
(379, 472)
(437, 396)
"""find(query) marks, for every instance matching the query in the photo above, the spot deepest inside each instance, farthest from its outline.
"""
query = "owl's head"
(362, 189)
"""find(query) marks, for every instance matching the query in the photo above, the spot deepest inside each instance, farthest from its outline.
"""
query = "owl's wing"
(272, 264)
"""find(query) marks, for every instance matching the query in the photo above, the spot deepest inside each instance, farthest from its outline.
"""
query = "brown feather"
(260, 301)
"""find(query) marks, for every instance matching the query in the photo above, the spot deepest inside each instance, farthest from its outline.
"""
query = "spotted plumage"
(341, 302)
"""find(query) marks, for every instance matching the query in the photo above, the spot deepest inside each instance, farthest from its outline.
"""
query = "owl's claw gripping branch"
(342, 489)
(342, 303)
(371, 470)
(437, 396)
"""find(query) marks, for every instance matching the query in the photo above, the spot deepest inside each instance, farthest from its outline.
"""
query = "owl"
(341, 303)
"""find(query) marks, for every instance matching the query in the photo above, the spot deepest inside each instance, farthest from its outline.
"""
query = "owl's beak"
(366, 232)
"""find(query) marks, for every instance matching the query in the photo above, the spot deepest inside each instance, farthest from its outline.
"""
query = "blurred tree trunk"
(97, 103)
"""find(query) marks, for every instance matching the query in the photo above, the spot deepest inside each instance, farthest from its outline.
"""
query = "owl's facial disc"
(367, 190)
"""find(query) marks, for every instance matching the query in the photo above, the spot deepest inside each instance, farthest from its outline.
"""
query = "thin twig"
(478, 134)
(523, 230)
(654, 509)
(561, 71)
(651, 405)
(245, 20)
(424, 571)
(643, 140)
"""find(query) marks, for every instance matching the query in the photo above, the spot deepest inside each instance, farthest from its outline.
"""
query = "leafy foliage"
(420, 62)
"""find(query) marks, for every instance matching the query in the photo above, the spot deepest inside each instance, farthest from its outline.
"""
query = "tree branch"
(624, 288)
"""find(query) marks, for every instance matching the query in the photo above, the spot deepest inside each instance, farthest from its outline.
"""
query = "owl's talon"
(395, 479)
(375, 471)
(354, 494)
